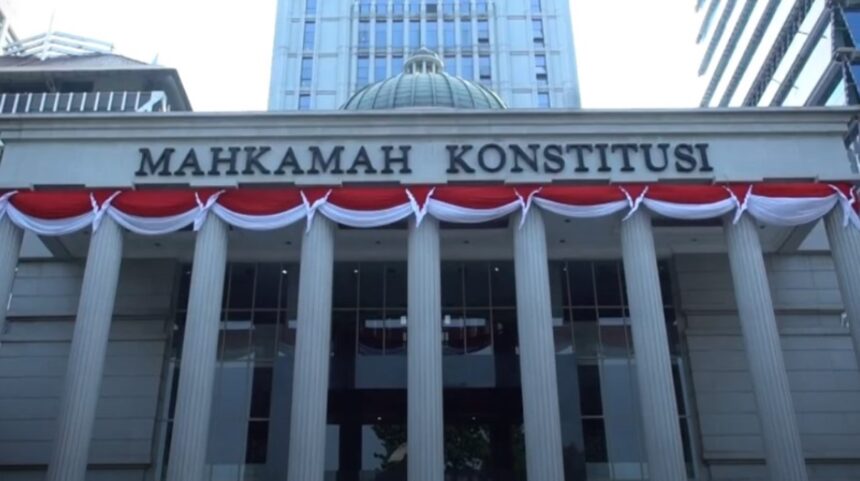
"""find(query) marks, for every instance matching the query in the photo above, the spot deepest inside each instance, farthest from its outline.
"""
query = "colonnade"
(662, 434)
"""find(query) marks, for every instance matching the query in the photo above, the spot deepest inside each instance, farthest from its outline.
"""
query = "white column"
(783, 451)
(199, 353)
(537, 351)
(425, 423)
(87, 355)
(845, 248)
(10, 247)
(650, 342)
(313, 345)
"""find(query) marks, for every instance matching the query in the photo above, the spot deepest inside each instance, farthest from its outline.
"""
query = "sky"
(630, 53)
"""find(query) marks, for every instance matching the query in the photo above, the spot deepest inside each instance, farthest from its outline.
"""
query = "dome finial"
(424, 60)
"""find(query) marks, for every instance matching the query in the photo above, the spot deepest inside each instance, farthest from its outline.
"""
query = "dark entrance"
(482, 399)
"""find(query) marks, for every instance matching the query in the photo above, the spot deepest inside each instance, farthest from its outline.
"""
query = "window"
(485, 69)
(307, 71)
(449, 34)
(540, 70)
(465, 7)
(379, 69)
(537, 31)
(451, 63)
(362, 71)
(468, 70)
(310, 32)
(414, 34)
(397, 34)
(397, 8)
(466, 34)
(481, 7)
(543, 100)
(535, 6)
(381, 8)
(431, 7)
(448, 8)
(483, 32)
(396, 64)
(432, 35)
(363, 34)
(364, 8)
(311, 7)
(258, 328)
(381, 34)
(414, 7)
(304, 102)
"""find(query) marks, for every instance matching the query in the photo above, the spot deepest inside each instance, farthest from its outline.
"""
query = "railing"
(86, 102)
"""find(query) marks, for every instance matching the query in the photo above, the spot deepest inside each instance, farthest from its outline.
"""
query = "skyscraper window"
(431, 7)
(397, 34)
(396, 65)
(483, 32)
(414, 34)
(449, 34)
(543, 100)
(381, 8)
(311, 7)
(379, 69)
(465, 7)
(481, 7)
(307, 71)
(363, 34)
(540, 70)
(414, 7)
(381, 34)
(304, 102)
(432, 35)
(468, 70)
(486, 71)
(536, 6)
(362, 76)
(466, 34)
(537, 32)
(398, 8)
(364, 7)
(448, 8)
(309, 34)
(451, 64)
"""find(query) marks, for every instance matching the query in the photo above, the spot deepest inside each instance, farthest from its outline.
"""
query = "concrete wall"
(822, 370)
(33, 359)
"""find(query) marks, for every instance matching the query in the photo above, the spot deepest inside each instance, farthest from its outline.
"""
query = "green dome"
(424, 83)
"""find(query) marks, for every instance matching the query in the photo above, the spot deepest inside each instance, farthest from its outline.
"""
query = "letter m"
(148, 166)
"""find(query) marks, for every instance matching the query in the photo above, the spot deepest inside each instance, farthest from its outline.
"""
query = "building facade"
(326, 51)
(778, 53)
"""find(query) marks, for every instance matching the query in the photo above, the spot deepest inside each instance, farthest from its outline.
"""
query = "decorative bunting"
(158, 212)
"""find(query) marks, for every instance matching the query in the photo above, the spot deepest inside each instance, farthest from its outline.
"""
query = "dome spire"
(424, 60)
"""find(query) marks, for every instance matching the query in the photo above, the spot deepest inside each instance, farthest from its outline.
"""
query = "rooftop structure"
(58, 72)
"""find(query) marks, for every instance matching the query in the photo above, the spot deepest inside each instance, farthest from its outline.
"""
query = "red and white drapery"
(157, 212)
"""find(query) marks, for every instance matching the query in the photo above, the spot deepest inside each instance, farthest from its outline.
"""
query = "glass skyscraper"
(326, 51)
(778, 52)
